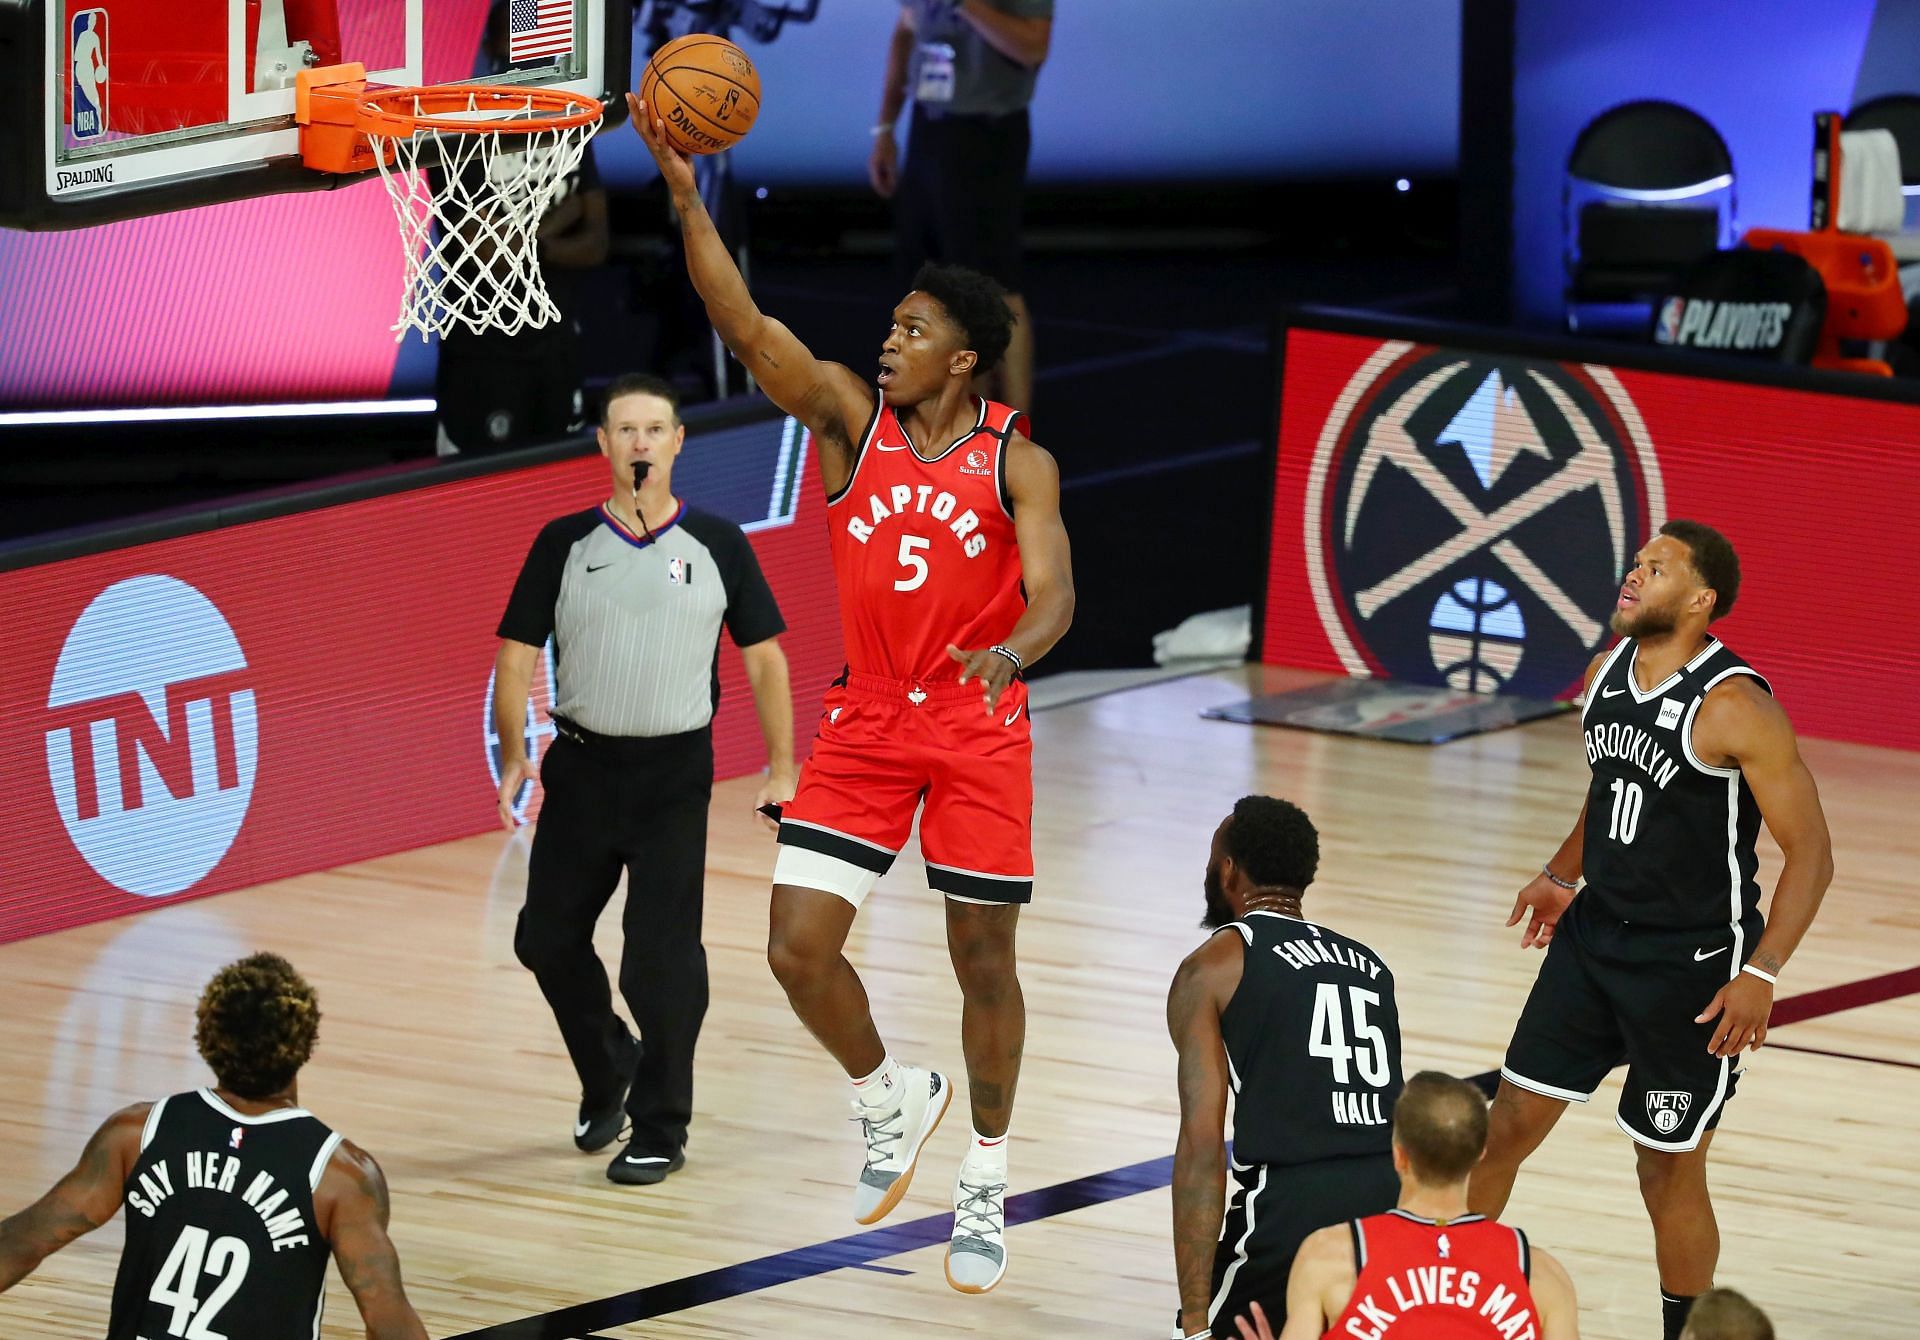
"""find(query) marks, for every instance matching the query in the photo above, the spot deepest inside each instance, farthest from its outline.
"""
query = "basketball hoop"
(472, 169)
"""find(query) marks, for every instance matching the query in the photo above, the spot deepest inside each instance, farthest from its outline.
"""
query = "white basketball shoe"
(894, 1137)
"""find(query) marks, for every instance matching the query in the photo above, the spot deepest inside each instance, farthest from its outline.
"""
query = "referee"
(633, 593)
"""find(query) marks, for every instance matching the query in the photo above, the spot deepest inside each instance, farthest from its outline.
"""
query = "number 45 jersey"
(1669, 838)
(924, 548)
(221, 1238)
(1313, 1045)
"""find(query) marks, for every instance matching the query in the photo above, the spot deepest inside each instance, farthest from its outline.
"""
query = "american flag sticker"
(540, 30)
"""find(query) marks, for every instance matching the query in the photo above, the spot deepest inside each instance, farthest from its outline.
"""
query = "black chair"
(1649, 191)
(1767, 305)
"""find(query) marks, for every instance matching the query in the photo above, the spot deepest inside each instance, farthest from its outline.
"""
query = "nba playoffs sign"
(1447, 514)
(261, 700)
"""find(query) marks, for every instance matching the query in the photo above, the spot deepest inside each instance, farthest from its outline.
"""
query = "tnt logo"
(152, 736)
(1667, 1108)
(536, 728)
(88, 49)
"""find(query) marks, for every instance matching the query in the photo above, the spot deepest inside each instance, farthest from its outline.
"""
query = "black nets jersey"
(1313, 1045)
(1669, 839)
(221, 1239)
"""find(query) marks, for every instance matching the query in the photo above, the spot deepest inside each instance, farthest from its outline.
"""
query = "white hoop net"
(470, 220)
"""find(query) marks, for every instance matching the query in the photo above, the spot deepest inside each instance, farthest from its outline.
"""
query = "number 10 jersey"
(924, 550)
(1669, 836)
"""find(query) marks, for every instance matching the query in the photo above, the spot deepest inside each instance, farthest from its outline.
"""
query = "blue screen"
(1758, 73)
(1140, 89)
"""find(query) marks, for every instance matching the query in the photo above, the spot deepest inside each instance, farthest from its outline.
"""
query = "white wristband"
(1769, 978)
(884, 128)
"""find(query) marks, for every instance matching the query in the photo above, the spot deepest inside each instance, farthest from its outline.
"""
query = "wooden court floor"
(438, 1055)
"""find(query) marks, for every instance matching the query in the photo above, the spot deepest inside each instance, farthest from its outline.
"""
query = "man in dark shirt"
(236, 1195)
(1300, 1022)
(633, 594)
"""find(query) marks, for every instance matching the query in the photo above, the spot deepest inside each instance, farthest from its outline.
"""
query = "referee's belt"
(624, 744)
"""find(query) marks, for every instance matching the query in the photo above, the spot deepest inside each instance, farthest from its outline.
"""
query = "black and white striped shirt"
(636, 622)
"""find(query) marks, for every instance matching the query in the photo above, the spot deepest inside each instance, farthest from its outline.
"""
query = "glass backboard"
(134, 107)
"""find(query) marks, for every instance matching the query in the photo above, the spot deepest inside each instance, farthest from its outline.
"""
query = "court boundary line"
(582, 1321)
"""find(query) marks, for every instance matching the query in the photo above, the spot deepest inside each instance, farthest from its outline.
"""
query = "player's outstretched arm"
(827, 397)
(1740, 724)
(1200, 1155)
(78, 1203)
(1553, 1296)
(1046, 571)
(352, 1207)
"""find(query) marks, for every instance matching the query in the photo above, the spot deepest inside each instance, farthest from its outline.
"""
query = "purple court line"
(863, 1250)
(1843, 1056)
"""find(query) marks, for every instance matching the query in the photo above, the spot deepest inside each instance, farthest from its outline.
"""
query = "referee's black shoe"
(637, 1165)
(598, 1126)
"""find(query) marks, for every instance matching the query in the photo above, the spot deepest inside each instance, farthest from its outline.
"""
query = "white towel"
(1870, 198)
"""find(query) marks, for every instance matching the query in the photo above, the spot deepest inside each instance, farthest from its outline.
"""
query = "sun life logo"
(153, 735)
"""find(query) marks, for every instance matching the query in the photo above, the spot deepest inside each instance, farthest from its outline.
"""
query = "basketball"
(705, 91)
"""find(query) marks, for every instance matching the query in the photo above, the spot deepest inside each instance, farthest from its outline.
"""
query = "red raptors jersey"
(924, 549)
(1421, 1280)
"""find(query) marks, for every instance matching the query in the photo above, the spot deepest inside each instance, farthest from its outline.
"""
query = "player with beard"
(1662, 960)
(1300, 1023)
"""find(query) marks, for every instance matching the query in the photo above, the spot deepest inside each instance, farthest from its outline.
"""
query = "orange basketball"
(704, 89)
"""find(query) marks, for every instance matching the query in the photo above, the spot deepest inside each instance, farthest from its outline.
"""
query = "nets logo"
(1667, 1108)
(1468, 517)
(88, 53)
(537, 729)
(153, 736)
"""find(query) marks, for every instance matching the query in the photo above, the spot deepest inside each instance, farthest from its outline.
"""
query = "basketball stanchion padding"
(471, 170)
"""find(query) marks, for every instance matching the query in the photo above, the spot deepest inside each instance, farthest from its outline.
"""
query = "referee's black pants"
(639, 805)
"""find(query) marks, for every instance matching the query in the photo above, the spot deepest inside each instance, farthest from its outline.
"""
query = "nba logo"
(677, 571)
(233, 1141)
(87, 50)
(1667, 329)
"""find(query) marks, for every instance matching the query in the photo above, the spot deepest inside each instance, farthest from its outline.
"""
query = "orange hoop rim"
(413, 110)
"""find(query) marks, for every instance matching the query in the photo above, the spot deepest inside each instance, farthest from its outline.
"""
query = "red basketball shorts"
(885, 746)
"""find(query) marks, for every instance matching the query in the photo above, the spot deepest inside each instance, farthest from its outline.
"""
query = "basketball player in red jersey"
(1429, 1270)
(954, 575)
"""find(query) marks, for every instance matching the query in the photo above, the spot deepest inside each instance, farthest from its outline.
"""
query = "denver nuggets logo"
(1468, 517)
(537, 729)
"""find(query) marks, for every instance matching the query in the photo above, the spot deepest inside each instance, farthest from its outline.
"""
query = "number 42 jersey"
(924, 549)
(1313, 1045)
(221, 1238)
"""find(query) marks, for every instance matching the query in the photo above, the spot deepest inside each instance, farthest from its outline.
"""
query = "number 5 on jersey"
(911, 561)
